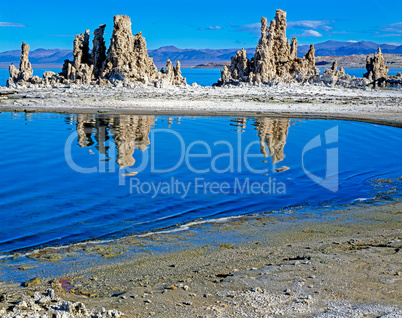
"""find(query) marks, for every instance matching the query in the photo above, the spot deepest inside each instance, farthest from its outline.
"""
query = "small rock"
(257, 290)
(50, 293)
(288, 292)
(185, 287)
(32, 282)
(187, 303)
(26, 267)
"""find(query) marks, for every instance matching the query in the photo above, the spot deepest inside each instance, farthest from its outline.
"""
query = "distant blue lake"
(67, 178)
(202, 76)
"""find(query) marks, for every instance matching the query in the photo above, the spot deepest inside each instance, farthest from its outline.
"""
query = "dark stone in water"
(32, 282)
(117, 294)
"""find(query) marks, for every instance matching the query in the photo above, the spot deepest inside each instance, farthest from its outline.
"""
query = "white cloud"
(311, 33)
(394, 29)
(394, 43)
(311, 24)
(352, 41)
(394, 26)
(211, 27)
(342, 32)
(12, 25)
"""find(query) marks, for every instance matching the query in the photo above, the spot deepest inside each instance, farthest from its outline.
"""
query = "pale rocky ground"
(284, 99)
(47, 304)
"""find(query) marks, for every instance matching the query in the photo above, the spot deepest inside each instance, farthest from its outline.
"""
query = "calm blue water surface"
(204, 77)
(69, 178)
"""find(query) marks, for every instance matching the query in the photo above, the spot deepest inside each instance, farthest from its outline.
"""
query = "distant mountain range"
(335, 48)
(192, 57)
(54, 58)
(50, 57)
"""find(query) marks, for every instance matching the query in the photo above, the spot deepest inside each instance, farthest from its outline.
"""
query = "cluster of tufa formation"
(376, 74)
(275, 59)
(24, 74)
(376, 68)
(126, 60)
(335, 76)
(377, 71)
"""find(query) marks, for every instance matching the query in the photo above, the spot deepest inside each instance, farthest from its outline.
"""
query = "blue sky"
(199, 24)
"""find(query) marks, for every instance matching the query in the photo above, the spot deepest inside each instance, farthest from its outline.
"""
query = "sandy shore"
(377, 106)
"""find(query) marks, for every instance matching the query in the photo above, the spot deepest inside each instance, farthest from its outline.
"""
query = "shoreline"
(393, 119)
(284, 100)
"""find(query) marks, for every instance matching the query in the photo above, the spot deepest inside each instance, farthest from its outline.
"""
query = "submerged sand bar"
(378, 106)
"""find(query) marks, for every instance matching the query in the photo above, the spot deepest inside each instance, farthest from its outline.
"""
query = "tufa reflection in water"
(128, 132)
(273, 134)
(131, 132)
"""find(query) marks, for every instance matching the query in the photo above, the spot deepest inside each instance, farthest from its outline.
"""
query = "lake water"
(204, 77)
(70, 178)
